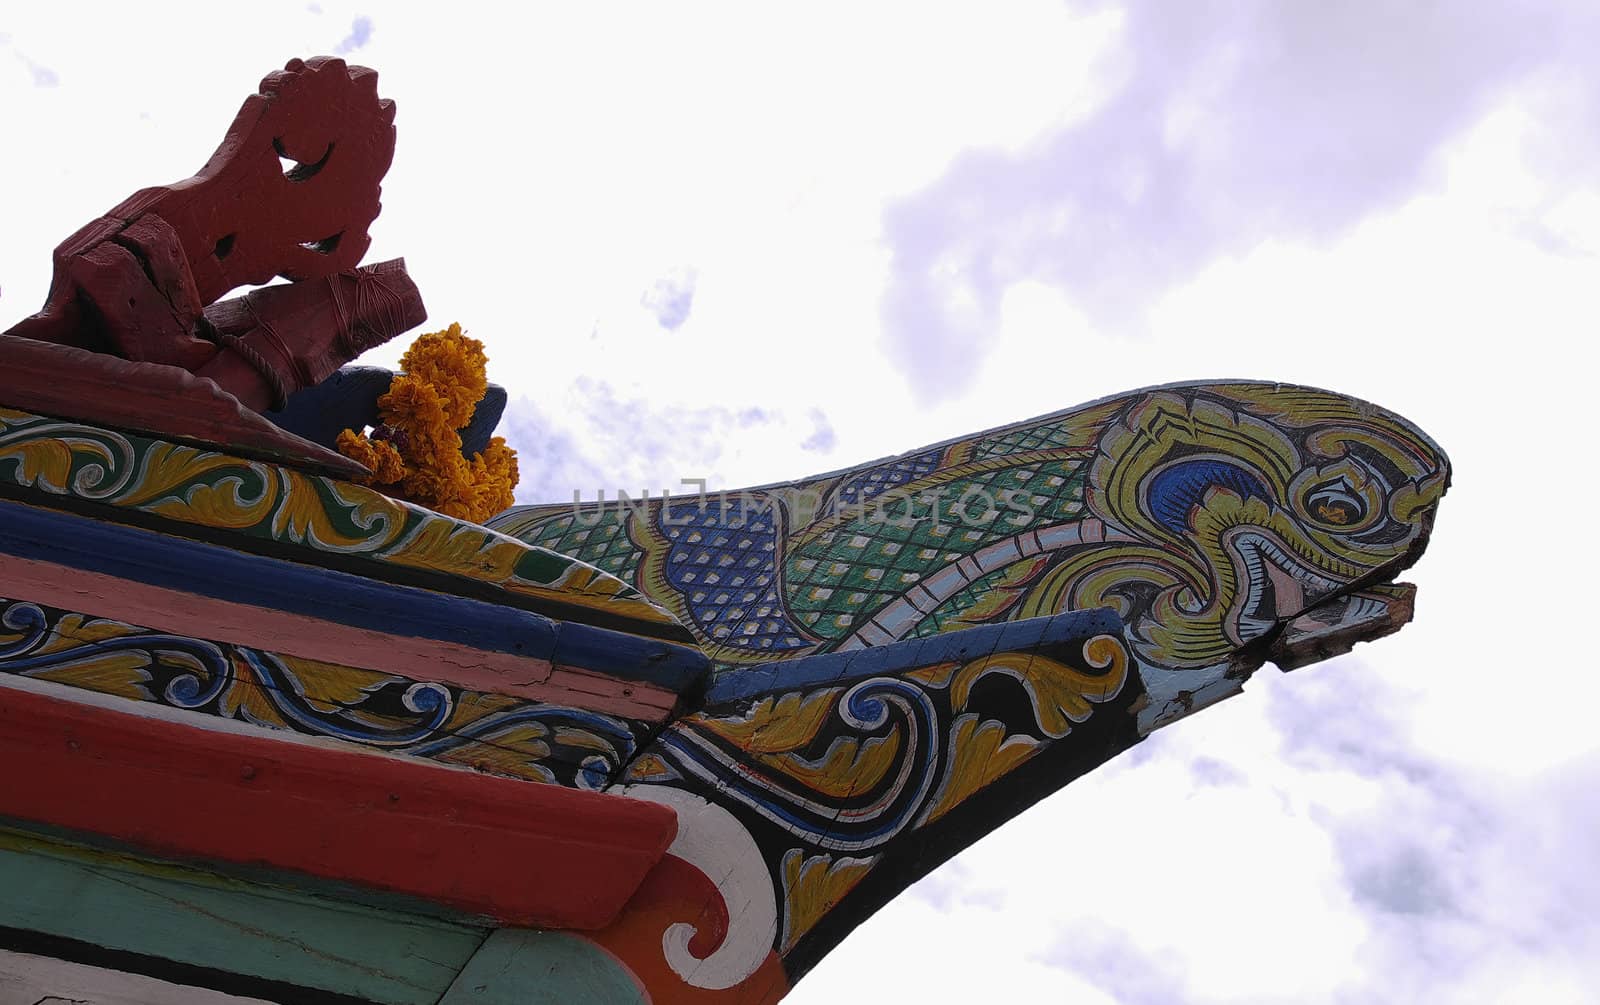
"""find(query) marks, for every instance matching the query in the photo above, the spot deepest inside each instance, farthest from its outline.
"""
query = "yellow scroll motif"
(515, 751)
(123, 674)
(45, 462)
(774, 724)
(459, 549)
(332, 687)
(850, 765)
(814, 886)
(74, 630)
(984, 750)
(185, 483)
(980, 752)
(1060, 694)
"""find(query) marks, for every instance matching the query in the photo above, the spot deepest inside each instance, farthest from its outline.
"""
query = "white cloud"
(671, 298)
(1226, 128)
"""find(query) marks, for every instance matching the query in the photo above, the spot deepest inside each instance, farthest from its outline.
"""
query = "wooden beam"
(518, 853)
(208, 591)
(307, 519)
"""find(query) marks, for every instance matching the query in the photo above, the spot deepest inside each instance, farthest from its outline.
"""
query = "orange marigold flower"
(381, 458)
(444, 377)
(455, 366)
(494, 474)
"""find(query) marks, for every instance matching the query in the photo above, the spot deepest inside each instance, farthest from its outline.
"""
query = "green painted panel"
(204, 920)
(519, 966)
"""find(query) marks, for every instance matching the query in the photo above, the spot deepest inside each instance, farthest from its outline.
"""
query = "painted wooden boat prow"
(292, 738)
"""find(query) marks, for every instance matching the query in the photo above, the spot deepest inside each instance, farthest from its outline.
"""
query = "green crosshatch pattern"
(605, 545)
(1056, 435)
(845, 575)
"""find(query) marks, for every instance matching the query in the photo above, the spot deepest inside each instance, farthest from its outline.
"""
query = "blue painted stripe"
(672, 666)
(968, 644)
(176, 563)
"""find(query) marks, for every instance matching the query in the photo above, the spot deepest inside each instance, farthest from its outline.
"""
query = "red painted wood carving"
(290, 192)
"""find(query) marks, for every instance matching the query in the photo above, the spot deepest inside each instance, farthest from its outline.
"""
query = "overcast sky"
(710, 241)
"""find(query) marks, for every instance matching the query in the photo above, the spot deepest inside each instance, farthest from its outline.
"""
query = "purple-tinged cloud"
(360, 35)
(1230, 124)
(550, 461)
(1114, 960)
(1464, 883)
(823, 438)
(954, 887)
(42, 76)
(1210, 771)
(624, 443)
(671, 299)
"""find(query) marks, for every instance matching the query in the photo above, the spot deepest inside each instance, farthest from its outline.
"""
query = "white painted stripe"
(908, 611)
(944, 583)
(874, 634)
(29, 980)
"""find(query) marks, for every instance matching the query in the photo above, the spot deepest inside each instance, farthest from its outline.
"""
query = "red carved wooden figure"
(290, 192)
(246, 216)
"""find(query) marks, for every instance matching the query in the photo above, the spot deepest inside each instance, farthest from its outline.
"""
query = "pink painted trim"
(311, 638)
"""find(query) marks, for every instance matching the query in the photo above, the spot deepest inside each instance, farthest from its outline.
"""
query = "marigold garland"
(415, 452)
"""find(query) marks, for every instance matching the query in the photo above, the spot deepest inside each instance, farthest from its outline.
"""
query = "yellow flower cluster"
(416, 452)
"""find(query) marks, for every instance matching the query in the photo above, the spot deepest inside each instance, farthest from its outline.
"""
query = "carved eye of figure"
(1335, 504)
(1174, 491)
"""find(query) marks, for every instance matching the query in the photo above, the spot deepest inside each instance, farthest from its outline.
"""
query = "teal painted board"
(201, 920)
(520, 966)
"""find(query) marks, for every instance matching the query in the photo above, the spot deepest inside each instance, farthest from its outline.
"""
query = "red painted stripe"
(520, 853)
(311, 638)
